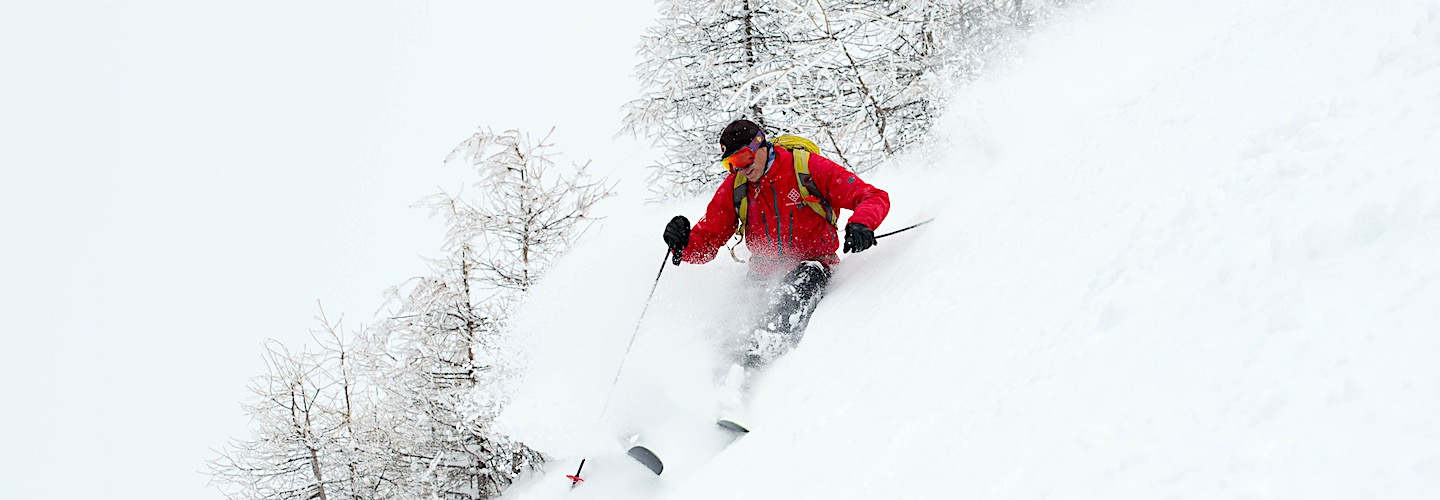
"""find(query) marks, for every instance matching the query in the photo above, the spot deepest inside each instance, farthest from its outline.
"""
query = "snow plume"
(581, 322)
(1183, 249)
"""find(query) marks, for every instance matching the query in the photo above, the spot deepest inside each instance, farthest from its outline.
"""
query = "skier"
(785, 212)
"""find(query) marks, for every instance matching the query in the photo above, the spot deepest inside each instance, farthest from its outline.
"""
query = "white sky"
(183, 180)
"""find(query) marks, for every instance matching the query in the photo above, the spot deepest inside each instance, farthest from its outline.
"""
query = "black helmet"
(737, 135)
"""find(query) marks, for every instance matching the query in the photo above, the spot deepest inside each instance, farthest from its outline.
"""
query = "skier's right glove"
(677, 236)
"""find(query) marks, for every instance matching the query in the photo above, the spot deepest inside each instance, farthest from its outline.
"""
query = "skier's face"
(744, 159)
(757, 164)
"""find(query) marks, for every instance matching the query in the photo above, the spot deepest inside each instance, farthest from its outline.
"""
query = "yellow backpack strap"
(808, 189)
(795, 142)
(742, 191)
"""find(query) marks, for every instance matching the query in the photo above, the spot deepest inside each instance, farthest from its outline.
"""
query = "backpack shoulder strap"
(739, 196)
(808, 190)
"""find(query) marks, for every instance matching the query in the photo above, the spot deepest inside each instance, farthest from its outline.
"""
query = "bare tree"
(443, 362)
(313, 436)
(705, 63)
(408, 410)
(441, 367)
(865, 79)
(523, 214)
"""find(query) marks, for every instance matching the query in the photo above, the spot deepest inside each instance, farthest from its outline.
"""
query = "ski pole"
(912, 226)
(575, 478)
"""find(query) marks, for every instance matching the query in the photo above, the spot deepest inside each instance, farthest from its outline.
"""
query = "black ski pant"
(792, 300)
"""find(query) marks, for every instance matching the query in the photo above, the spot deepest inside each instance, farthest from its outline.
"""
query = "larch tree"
(445, 363)
(437, 358)
(864, 79)
(408, 410)
(315, 434)
(523, 214)
(704, 64)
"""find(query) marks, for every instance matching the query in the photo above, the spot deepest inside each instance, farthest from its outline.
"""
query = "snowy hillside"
(1183, 250)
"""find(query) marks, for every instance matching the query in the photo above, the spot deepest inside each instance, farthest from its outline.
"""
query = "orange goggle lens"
(741, 159)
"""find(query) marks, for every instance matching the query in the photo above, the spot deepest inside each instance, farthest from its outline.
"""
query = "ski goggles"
(744, 157)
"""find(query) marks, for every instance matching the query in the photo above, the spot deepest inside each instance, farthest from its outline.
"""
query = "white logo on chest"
(794, 196)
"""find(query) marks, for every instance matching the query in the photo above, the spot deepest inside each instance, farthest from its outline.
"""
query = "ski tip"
(647, 458)
(732, 425)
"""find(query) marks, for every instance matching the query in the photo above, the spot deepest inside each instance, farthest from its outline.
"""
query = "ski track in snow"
(1183, 250)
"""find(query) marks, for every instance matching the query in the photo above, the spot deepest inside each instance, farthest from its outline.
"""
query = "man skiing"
(785, 211)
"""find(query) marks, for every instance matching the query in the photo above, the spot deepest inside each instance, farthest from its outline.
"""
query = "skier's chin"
(751, 172)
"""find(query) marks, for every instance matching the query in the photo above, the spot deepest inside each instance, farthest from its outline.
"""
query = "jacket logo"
(794, 196)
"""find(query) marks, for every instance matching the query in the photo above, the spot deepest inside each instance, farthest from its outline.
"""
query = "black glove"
(858, 237)
(677, 236)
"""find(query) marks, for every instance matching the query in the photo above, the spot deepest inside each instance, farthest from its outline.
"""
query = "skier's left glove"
(858, 237)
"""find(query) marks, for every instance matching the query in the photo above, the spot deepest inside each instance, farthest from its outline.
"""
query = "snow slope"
(1184, 249)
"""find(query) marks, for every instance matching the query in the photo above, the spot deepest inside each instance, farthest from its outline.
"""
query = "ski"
(732, 425)
(647, 458)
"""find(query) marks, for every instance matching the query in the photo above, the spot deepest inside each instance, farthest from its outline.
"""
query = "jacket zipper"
(775, 203)
(764, 223)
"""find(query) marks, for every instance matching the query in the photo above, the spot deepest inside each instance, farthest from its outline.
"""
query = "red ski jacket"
(782, 230)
